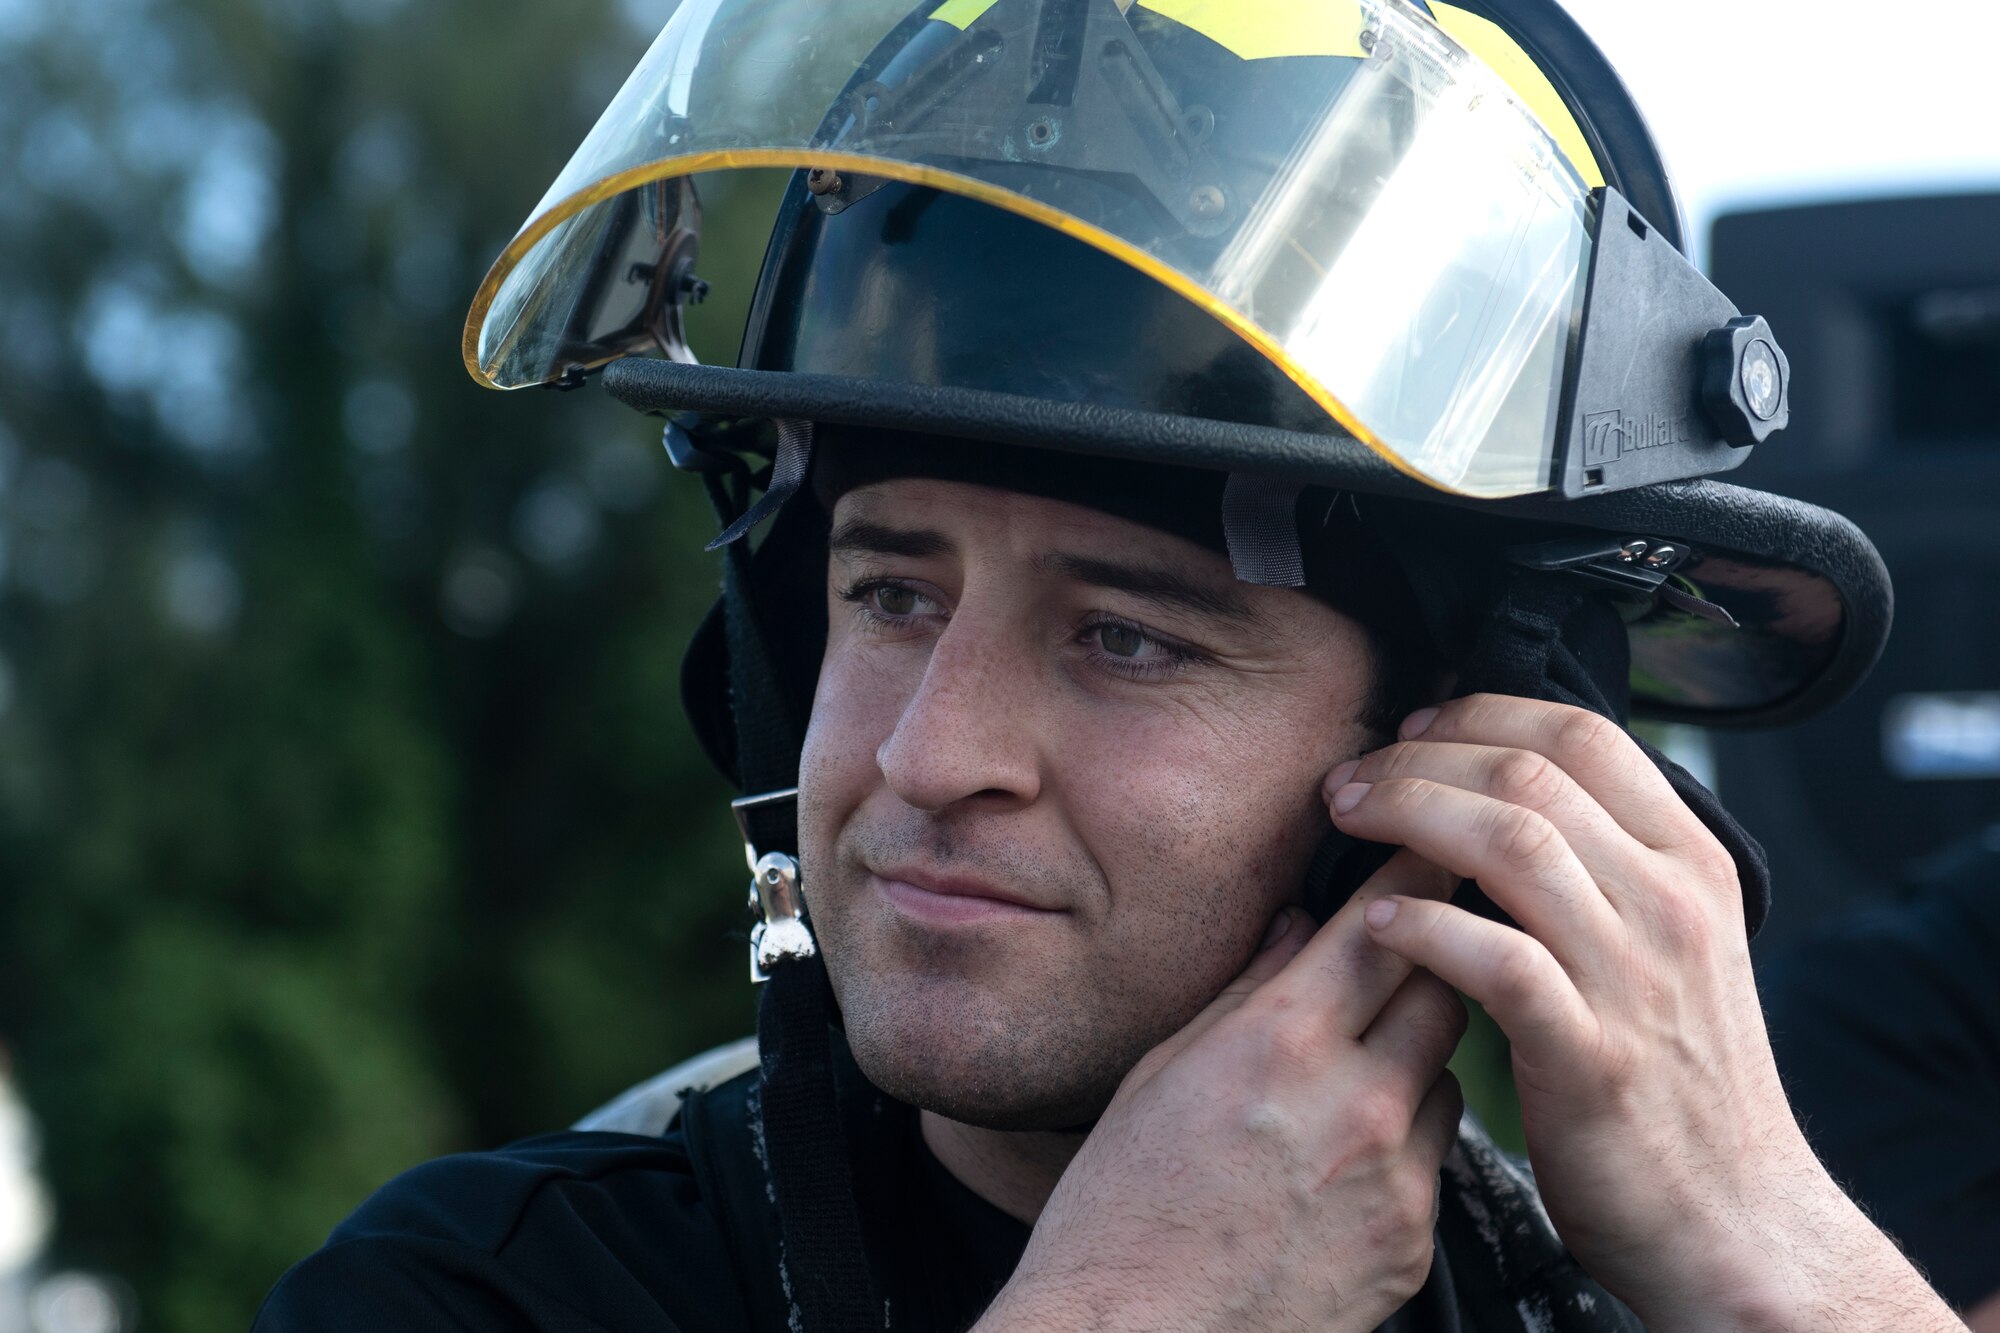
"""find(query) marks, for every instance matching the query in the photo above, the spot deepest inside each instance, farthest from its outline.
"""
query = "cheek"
(854, 711)
(1205, 814)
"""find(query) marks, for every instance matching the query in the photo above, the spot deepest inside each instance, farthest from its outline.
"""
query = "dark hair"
(1351, 568)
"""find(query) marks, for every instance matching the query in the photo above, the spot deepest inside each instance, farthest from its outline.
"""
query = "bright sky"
(1761, 101)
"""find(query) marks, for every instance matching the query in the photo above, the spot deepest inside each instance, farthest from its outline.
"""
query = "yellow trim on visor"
(1409, 251)
(1263, 29)
(1501, 54)
(909, 173)
(962, 14)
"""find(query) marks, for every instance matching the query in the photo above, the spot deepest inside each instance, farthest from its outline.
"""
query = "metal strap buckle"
(778, 930)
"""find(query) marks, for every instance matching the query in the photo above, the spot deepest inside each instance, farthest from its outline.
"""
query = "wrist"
(1808, 1260)
(1038, 1308)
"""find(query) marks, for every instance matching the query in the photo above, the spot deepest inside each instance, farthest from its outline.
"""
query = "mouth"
(952, 899)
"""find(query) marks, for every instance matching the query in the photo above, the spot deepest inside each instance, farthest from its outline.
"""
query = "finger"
(1291, 929)
(1342, 974)
(1595, 751)
(1435, 1129)
(1417, 1031)
(1507, 971)
(1518, 856)
(1289, 932)
(1518, 777)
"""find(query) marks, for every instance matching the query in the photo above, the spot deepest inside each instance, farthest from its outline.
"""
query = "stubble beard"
(960, 1025)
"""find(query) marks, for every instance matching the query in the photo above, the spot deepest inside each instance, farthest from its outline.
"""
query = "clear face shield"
(1345, 185)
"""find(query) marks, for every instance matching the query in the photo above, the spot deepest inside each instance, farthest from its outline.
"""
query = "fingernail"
(1417, 723)
(1350, 796)
(1381, 912)
(1280, 926)
(1340, 775)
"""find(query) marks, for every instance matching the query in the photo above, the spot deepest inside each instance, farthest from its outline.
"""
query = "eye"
(1120, 640)
(892, 600)
(885, 602)
(1131, 651)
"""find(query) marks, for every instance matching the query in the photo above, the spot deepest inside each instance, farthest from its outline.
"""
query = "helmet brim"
(1809, 594)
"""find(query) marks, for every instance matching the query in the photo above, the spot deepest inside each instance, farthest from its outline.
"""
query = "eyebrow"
(1163, 587)
(860, 537)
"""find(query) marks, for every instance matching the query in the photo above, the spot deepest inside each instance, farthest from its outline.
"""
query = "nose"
(967, 732)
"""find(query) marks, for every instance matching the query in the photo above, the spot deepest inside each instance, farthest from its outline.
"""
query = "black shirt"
(595, 1232)
(1887, 1031)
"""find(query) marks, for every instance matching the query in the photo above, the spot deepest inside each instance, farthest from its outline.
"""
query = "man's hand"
(1661, 1139)
(1275, 1163)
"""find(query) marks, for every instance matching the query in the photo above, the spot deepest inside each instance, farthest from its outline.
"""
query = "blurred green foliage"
(347, 812)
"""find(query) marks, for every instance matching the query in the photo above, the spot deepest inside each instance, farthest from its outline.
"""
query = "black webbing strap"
(823, 1266)
(788, 472)
(1260, 526)
(767, 735)
(1537, 645)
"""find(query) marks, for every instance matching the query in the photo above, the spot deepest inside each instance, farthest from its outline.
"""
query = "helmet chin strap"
(822, 1263)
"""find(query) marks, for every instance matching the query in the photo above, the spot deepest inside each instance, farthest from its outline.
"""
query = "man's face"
(1061, 771)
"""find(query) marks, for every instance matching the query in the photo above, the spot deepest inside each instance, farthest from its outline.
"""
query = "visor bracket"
(1635, 411)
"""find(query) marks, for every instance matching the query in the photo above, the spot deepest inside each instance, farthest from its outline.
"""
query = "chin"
(979, 1063)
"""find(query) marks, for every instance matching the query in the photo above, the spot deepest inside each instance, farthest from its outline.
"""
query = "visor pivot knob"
(1745, 381)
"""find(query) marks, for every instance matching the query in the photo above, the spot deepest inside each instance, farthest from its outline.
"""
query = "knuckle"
(1437, 1018)
(1411, 1210)
(1711, 864)
(1618, 1071)
(1294, 1040)
(1417, 1266)
(1272, 1121)
(1676, 910)
(1401, 794)
(1376, 1124)
(1443, 1011)
(1581, 735)
(1522, 839)
(1522, 777)
(1683, 920)
(1392, 760)
(1415, 1199)
(1148, 1066)
(1517, 973)
(1454, 1101)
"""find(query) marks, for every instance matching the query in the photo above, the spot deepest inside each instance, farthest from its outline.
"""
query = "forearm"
(1809, 1260)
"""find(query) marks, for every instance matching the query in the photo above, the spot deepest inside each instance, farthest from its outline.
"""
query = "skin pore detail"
(1062, 770)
